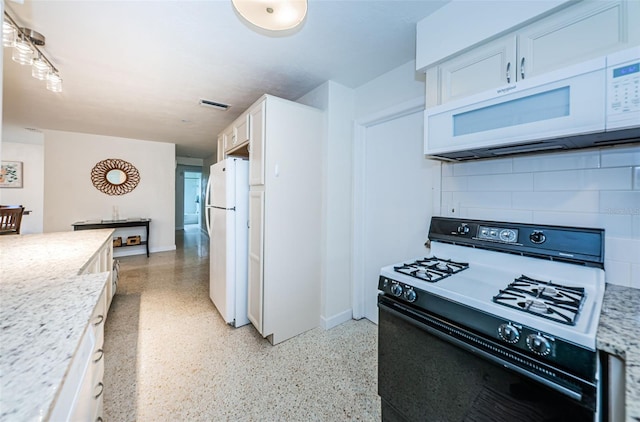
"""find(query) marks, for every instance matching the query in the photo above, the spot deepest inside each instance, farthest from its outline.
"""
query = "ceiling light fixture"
(9, 34)
(273, 15)
(25, 42)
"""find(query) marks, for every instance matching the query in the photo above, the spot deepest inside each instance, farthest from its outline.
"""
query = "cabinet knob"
(509, 72)
(522, 68)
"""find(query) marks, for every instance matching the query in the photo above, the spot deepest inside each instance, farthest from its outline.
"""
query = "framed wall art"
(11, 174)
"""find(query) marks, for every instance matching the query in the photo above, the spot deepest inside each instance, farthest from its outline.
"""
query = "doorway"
(189, 201)
(192, 200)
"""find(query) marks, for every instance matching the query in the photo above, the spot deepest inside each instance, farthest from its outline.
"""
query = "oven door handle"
(402, 313)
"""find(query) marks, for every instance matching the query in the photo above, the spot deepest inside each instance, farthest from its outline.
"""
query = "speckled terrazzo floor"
(170, 357)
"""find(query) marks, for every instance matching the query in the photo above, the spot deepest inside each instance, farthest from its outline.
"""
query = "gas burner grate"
(431, 269)
(546, 299)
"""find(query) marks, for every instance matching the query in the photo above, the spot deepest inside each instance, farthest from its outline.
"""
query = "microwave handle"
(509, 72)
(522, 68)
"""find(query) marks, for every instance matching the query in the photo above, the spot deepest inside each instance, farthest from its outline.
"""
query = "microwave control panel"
(623, 93)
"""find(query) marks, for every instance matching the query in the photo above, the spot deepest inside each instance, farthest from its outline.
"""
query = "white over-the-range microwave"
(595, 103)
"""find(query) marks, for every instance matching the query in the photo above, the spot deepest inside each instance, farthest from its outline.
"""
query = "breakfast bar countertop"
(619, 335)
(46, 301)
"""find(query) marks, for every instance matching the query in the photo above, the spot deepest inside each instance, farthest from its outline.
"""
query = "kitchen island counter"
(619, 335)
(46, 300)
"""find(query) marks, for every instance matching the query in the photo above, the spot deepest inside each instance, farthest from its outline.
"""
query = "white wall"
(338, 103)
(590, 188)
(27, 146)
(31, 195)
(395, 87)
(70, 196)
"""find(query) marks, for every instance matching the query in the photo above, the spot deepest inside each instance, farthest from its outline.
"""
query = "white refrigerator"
(227, 204)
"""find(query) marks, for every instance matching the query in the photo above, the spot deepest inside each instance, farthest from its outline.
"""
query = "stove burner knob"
(410, 295)
(509, 333)
(463, 229)
(396, 290)
(538, 344)
(537, 237)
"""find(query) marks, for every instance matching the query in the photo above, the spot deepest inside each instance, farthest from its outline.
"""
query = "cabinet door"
(221, 148)
(578, 33)
(256, 270)
(229, 139)
(257, 144)
(488, 66)
(241, 130)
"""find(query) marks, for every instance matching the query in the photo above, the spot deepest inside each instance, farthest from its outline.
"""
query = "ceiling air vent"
(214, 104)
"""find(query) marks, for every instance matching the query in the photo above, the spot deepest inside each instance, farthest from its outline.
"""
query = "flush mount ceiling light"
(25, 43)
(273, 15)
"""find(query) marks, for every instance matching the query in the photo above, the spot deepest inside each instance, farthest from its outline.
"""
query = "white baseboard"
(335, 320)
(140, 250)
(162, 249)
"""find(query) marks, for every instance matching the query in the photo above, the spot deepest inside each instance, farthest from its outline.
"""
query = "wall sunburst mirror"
(114, 176)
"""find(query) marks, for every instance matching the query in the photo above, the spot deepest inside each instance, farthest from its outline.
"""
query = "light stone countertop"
(619, 335)
(45, 307)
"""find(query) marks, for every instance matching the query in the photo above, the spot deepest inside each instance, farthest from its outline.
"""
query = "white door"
(397, 199)
(256, 254)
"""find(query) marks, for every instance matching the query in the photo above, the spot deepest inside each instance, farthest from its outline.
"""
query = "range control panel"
(576, 244)
(497, 234)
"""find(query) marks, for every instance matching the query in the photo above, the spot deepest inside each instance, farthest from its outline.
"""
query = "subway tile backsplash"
(588, 188)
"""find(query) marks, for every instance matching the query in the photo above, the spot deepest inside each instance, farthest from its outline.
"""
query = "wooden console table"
(116, 224)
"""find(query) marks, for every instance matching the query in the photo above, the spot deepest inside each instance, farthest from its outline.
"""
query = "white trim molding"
(359, 153)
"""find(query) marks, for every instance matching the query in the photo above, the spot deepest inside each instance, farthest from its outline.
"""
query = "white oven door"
(567, 102)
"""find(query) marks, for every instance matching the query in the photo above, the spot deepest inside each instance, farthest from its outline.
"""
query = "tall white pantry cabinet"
(285, 200)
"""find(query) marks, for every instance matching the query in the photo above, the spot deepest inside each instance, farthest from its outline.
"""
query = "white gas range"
(525, 297)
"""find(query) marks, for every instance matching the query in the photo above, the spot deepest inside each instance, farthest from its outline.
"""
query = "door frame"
(359, 188)
(179, 193)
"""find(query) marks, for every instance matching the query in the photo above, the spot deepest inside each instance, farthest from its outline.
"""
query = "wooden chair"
(10, 219)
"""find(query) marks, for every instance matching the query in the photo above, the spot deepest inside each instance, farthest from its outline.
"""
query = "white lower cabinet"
(102, 262)
(81, 396)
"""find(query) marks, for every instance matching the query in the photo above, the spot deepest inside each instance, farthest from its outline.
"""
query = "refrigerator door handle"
(206, 217)
(206, 203)
(207, 195)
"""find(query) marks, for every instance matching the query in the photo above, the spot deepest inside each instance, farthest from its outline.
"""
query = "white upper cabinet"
(256, 144)
(227, 135)
(585, 31)
(241, 130)
(237, 134)
(483, 68)
(221, 149)
(578, 33)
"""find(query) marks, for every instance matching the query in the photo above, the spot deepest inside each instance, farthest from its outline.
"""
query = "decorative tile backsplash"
(589, 188)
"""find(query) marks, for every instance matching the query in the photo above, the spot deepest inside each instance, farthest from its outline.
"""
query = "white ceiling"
(137, 69)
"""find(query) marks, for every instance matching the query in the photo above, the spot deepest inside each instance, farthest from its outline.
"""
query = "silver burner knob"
(509, 333)
(463, 229)
(410, 295)
(396, 290)
(538, 344)
(537, 237)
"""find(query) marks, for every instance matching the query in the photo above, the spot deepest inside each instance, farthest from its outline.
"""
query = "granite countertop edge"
(46, 302)
(619, 335)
